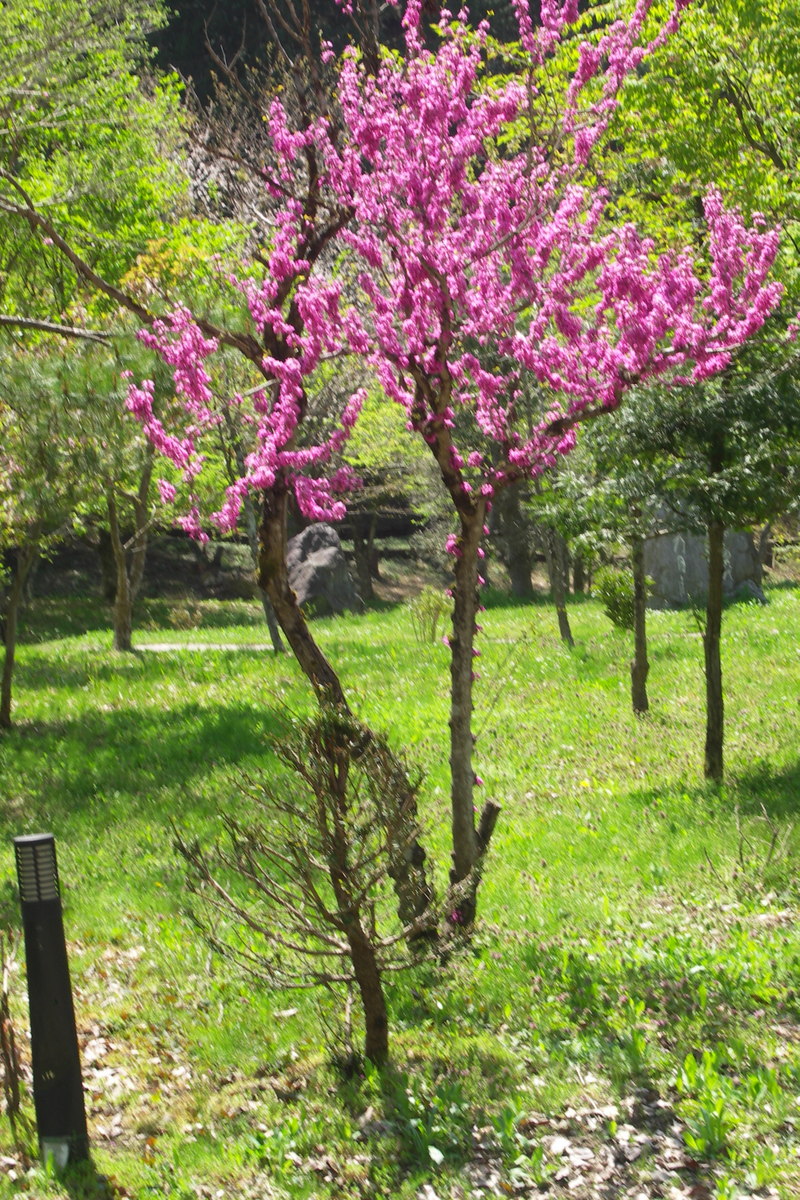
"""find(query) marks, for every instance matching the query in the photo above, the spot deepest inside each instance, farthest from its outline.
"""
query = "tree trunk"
(129, 561)
(579, 575)
(712, 640)
(123, 597)
(140, 512)
(407, 871)
(26, 557)
(373, 1001)
(349, 902)
(362, 548)
(639, 666)
(273, 577)
(469, 843)
(555, 550)
(251, 526)
(108, 567)
(514, 534)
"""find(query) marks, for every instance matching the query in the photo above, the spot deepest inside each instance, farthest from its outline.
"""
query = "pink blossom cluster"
(480, 263)
(297, 318)
(477, 264)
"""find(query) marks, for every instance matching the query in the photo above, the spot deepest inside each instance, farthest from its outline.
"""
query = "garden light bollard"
(57, 1085)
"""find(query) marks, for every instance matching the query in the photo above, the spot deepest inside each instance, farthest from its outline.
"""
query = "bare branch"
(101, 336)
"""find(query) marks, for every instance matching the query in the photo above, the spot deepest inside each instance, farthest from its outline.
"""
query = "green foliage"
(614, 589)
(87, 133)
(427, 611)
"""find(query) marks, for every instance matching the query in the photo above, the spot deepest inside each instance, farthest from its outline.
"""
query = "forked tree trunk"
(640, 667)
(712, 647)
(555, 549)
(26, 557)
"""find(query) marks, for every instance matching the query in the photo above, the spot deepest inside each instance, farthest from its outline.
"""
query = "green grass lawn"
(627, 1015)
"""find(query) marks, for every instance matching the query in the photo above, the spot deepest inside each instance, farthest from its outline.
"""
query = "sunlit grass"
(630, 913)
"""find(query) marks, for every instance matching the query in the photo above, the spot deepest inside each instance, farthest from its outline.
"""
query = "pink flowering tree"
(476, 263)
(479, 263)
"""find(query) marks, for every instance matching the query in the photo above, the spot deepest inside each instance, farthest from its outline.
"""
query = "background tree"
(723, 455)
(45, 463)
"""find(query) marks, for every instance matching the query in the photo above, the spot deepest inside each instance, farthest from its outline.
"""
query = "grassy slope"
(631, 916)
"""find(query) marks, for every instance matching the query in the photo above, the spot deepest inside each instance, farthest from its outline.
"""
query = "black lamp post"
(57, 1086)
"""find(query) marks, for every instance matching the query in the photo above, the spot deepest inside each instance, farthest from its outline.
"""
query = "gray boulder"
(677, 564)
(318, 571)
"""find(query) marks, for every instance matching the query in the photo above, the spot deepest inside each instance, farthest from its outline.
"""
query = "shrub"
(615, 589)
(427, 610)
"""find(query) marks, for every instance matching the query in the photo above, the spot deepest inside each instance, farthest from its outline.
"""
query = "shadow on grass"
(38, 670)
(760, 790)
(127, 758)
(765, 789)
(82, 1181)
(53, 617)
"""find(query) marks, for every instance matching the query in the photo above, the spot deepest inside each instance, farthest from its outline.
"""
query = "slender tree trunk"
(470, 843)
(555, 550)
(251, 526)
(579, 576)
(26, 557)
(462, 662)
(514, 534)
(140, 511)
(129, 561)
(123, 598)
(712, 641)
(373, 555)
(362, 548)
(370, 987)
(640, 667)
(273, 577)
(362, 951)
